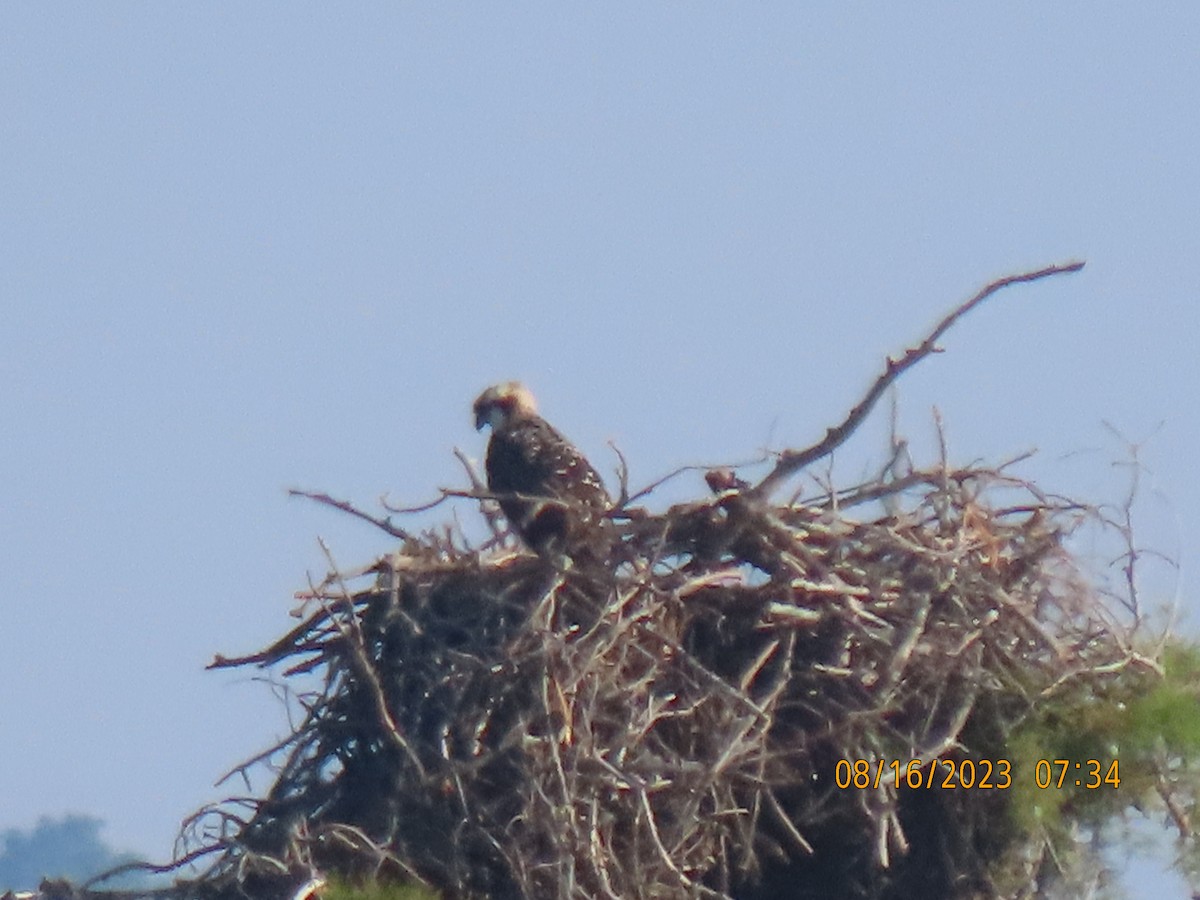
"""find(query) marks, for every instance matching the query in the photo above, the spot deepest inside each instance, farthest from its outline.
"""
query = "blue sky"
(247, 247)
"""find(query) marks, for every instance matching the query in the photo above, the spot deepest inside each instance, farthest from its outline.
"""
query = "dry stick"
(257, 758)
(698, 467)
(1178, 813)
(284, 647)
(644, 799)
(173, 866)
(1132, 554)
(491, 512)
(351, 632)
(479, 491)
(355, 838)
(348, 507)
(792, 461)
(786, 821)
(622, 476)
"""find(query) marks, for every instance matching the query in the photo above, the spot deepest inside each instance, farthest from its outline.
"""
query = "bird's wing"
(533, 459)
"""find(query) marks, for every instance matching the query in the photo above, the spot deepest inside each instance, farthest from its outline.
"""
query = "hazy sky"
(251, 246)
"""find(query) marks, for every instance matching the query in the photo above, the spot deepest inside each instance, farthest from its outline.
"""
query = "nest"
(712, 712)
(744, 699)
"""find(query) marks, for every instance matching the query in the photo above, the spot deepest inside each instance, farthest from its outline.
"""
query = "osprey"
(549, 492)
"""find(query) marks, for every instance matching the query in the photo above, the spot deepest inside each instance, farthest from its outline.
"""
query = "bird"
(552, 497)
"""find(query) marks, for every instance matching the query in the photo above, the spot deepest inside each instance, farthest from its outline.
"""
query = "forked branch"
(792, 461)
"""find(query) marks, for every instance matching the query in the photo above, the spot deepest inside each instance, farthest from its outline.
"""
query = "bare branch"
(348, 507)
(675, 473)
(792, 461)
(491, 512)
(622, 476)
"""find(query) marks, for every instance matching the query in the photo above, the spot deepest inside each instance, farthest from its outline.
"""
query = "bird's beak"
(480, 419)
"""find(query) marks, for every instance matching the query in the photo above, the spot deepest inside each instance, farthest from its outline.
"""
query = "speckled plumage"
(551, 495)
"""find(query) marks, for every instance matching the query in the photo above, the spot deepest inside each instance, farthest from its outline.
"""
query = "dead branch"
(347, 507)
(792, 461)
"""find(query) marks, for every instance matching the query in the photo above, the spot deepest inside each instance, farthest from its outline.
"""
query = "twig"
(351, 631)
(622, 476)
(659, 482)
(792, 461)
(491, 512)
(283, 647)
(348, 507)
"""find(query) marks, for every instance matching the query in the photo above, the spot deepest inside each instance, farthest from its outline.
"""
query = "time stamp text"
(973, 774)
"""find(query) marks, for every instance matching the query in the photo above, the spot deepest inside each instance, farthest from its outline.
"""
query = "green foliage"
(1148, 723)
(1074, 729)
(1167, 717)
(338, 889)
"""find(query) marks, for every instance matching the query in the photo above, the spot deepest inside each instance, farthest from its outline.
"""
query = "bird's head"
(503, 403)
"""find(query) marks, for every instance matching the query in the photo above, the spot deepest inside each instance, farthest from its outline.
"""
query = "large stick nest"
(671, 724)
(674, 720)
